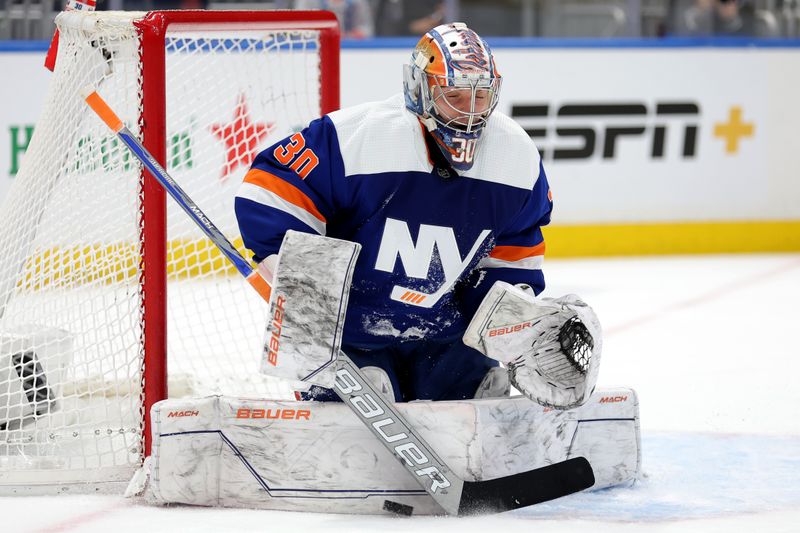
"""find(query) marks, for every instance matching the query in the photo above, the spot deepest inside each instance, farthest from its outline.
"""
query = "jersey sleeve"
(297, 183)
(518, 251)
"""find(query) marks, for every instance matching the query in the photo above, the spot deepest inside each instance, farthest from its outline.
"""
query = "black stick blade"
(526, 488)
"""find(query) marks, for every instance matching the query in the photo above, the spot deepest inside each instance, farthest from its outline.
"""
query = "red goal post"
(154, 28)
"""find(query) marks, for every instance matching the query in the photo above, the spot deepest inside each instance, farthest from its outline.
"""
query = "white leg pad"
(310, 456)
(307, 309)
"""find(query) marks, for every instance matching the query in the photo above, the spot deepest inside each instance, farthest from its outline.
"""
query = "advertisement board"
(676, 140)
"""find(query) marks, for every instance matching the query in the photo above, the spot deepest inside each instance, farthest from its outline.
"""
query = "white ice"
(708, 343)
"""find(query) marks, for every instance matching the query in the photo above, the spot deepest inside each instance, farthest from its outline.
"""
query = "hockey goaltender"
(407, 234)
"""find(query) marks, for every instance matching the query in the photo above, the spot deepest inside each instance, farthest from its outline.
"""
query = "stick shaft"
(185, 202)
(104, 111)
(397, 435)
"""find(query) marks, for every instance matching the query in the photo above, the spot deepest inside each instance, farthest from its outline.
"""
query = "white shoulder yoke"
(506, 154)
(384, 136)
(380, 137)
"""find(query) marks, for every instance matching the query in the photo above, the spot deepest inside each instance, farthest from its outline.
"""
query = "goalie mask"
(452, 85)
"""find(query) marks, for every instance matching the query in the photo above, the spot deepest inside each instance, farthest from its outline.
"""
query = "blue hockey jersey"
(432, 246)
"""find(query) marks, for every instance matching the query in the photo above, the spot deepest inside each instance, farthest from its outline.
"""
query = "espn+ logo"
(579, 131)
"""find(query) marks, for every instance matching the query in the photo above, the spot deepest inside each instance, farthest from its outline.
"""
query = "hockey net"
(97, 268)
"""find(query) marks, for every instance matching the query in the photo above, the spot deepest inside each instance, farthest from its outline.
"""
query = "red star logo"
(241, 137)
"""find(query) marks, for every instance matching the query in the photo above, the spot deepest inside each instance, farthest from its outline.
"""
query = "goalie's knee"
(377, 376)
(380, 380)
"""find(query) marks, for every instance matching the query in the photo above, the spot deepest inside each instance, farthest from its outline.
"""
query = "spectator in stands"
(719, 17)
(355, 16)
(408, 17)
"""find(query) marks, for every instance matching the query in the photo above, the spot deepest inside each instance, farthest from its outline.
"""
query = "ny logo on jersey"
(417, 258)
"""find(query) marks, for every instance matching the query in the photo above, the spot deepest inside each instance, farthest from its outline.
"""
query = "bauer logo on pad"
(274, 343)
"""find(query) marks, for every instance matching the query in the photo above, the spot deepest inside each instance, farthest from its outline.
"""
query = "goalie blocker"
(318, 457)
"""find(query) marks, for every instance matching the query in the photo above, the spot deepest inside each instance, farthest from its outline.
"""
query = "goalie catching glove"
(550, 346)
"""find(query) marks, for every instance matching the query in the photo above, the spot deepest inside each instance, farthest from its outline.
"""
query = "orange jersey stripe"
(284, 189)
(515, 253)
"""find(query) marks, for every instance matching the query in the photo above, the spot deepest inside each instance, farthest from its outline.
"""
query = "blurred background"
(33, 19)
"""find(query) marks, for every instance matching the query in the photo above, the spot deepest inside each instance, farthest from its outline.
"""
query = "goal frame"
(153, 218)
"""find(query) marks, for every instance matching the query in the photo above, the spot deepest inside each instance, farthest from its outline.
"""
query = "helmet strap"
(429, 122)
(441, 166)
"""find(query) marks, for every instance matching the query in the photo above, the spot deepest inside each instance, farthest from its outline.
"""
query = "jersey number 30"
(302, 161)
(466, 151)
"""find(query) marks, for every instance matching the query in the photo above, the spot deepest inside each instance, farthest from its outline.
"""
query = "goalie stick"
(455, 495)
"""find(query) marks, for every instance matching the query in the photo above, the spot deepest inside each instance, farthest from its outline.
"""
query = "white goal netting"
(71, 319)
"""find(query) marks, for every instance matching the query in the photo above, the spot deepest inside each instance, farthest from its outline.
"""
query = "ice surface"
(709, 345)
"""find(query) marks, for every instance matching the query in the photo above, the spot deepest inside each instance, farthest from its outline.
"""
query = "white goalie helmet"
(452, 85)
